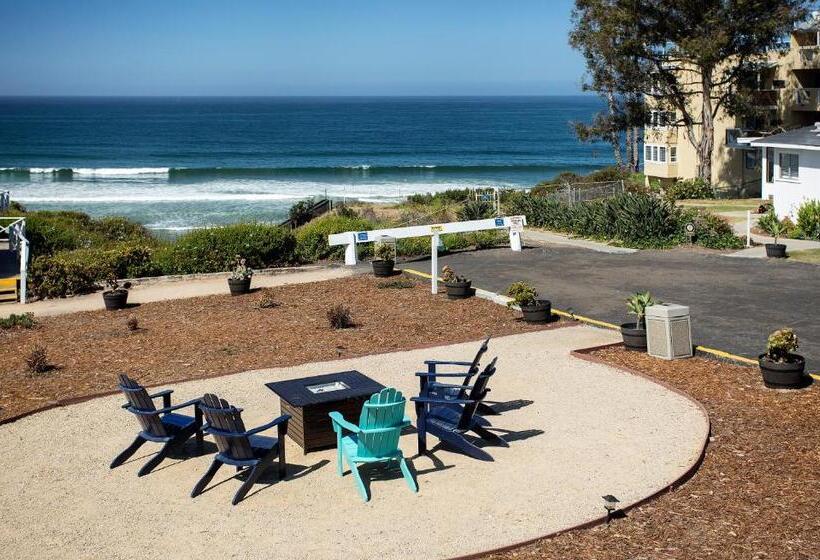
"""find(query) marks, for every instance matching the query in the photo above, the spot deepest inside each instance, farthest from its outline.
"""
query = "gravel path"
(590, 430)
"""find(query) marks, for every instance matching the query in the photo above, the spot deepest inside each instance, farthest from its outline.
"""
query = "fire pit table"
(309, 400)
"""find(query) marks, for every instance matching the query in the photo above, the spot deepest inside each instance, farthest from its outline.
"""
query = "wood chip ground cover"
(756, 494)
(199, 337)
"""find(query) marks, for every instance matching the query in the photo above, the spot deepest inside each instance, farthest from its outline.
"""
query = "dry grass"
(754, 497)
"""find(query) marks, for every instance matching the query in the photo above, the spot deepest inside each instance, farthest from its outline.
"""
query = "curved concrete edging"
(586, 355)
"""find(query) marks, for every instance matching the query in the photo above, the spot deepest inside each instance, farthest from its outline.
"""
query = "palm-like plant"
(772, 225)
(637, 303)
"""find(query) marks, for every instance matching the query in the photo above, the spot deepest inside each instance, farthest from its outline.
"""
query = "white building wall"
(789, 194)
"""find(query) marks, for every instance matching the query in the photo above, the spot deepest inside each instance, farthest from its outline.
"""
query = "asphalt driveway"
(735, 303)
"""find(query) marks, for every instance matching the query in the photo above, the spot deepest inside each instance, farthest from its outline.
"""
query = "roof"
(807, 137)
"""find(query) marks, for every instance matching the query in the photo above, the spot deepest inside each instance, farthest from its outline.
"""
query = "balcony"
(766, 98)
(660, 170)
(805, 99)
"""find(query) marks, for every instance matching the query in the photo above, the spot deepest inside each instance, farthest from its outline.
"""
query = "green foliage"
(400, 284)
(690, 189)
(808, 219)
(300, 213)
(522, 294)
(449, 196)
(781, 344)
(80, 271)
(384, 251)
(770, 224)
(117, 229)
(214, 249)
(476, 210)
(37, 361)
(339, 317)
(18, 321)
(414, 246)
(637, 303)
(711, 231)
(311, 238)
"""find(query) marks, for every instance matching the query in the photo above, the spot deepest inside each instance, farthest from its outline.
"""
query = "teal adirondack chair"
(375, 439)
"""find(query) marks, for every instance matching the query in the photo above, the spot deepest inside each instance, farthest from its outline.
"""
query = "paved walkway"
(576, 431)
(735, 303)
(543, 237)
(165, 288)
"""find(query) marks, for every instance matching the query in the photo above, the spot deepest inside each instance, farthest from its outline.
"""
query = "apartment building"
(787, 91)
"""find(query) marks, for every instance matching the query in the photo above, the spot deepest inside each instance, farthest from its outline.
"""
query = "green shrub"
(81, 271)
(690, 189)
(476, 210)
(299, 213)
(21, 321)
(711, 231)
(808, 219)
(415, 246)
(214, 249)
(116, 229)
(522, 294)
(781, 344)
(311, 238)
(50, 232)
(448, 196)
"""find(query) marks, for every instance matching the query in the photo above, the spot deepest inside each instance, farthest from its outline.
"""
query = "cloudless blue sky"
(287, 47)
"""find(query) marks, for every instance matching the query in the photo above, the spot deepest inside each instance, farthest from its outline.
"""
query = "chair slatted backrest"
(222, 416)
(474, 366)
(138, 399)
(477, 394)
(382, 411)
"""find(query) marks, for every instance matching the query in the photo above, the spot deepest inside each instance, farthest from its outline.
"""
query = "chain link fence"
(583, 192)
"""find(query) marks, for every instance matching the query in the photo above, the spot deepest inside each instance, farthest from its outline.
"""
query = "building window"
(769, 165)
(655, 153)
(789, 166)
(673, 154)
(662, 154)
(661, 118)
(750, 159)
(647, 153)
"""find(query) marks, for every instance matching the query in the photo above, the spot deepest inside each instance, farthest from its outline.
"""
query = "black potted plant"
(781, 368)
(524, 296)
(634, 334)
(116, 296)
(458, 287)
(774, 227)
(384, 259)
(240, 279)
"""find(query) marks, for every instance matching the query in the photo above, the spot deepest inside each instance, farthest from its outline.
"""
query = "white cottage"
(791, 168)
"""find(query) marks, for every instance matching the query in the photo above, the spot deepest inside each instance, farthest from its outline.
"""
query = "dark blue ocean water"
(187, 162)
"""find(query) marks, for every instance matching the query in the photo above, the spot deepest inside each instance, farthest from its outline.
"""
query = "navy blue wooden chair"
(429, 385)
(240, 447)
(159, 426)
(451, 419)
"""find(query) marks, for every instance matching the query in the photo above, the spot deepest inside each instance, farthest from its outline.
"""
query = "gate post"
(350, 250)
(434, 263)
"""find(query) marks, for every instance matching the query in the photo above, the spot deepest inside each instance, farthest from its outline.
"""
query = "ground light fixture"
(611, 506)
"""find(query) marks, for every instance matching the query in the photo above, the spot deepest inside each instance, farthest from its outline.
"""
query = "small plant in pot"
(634, 334)
(240, 279)
(525, 297)
(116, 296)
(780, 366)
(458, 287)
(776, 228)
(384, 259)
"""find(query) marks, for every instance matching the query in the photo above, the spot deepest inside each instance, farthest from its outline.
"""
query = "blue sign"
(361, 236)
(499, 222)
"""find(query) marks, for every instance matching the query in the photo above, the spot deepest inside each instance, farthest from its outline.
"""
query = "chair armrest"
(167, 409)
(447, 386)
(427, 400)
(447, 363)
(282, 419)
(451, 374)
(338, 420)
(161, 393)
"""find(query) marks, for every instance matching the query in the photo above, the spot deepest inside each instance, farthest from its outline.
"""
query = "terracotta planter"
(783, 375)
(239, 287)
(539, 312)
(776, 250)
(383, 269)
(115, 299)
(634, 337)
(459, 290)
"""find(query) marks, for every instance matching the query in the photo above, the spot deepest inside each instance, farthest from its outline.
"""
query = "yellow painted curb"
(603, 324)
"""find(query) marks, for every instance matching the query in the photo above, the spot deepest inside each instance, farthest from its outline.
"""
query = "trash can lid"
(667, 310)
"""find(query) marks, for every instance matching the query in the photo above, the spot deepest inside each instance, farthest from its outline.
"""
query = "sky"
(287, 47)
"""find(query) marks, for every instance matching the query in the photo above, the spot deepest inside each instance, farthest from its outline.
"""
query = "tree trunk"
(614, 135)
(636, 152)
(629, 148)
(706, 143)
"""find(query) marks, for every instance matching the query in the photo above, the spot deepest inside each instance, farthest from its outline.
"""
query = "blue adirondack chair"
(159, 426)
(375, 439)
(429, 385)
(450, 419)
(240, 447)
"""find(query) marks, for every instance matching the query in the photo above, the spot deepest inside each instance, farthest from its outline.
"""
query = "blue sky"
(287, 47)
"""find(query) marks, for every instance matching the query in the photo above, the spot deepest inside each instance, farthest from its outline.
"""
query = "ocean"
(179, 163)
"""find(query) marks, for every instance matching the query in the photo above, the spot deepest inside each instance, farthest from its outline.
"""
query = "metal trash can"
(668, 331)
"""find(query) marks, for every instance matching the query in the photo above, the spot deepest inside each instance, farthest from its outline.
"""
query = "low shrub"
(18, 321)
(50, 232)
(214, 249)
(339, 317)
(711, 231)
(37, 361)
(299, 213)
(808, 219)
(311, 238)
(401, 283)
(267, 301)
(119, 229)
(690, 189)
(475, 210)
(781, 344)
(132, 323)
(522, 294)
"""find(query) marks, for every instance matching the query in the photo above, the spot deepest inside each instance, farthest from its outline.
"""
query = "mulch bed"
(195, 338)
(756, 494)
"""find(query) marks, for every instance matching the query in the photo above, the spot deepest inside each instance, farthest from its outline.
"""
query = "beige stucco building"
(788, 94)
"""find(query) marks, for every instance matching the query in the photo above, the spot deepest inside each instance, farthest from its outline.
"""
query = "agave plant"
(637, 303)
